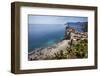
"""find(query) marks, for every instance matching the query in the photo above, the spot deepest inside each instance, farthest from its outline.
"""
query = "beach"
(61, 49)
(49, 51)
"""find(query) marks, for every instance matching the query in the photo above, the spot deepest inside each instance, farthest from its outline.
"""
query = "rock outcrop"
(58, 50)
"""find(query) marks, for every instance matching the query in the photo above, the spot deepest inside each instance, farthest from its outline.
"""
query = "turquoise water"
(43, 35)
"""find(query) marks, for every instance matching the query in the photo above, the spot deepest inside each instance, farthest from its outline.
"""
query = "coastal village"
(74, 45)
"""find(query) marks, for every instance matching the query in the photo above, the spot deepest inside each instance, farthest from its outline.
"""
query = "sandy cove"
(48, 53)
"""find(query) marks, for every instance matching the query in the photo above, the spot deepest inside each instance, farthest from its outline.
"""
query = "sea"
(44, 35)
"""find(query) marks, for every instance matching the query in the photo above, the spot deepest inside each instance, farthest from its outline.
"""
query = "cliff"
(74, 45)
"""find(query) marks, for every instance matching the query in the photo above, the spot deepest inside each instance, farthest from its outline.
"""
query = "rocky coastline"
(64, 49)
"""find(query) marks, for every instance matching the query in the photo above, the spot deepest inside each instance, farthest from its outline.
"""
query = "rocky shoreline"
(74, 45)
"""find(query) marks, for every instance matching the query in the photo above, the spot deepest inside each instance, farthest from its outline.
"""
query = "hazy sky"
(35, 19)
